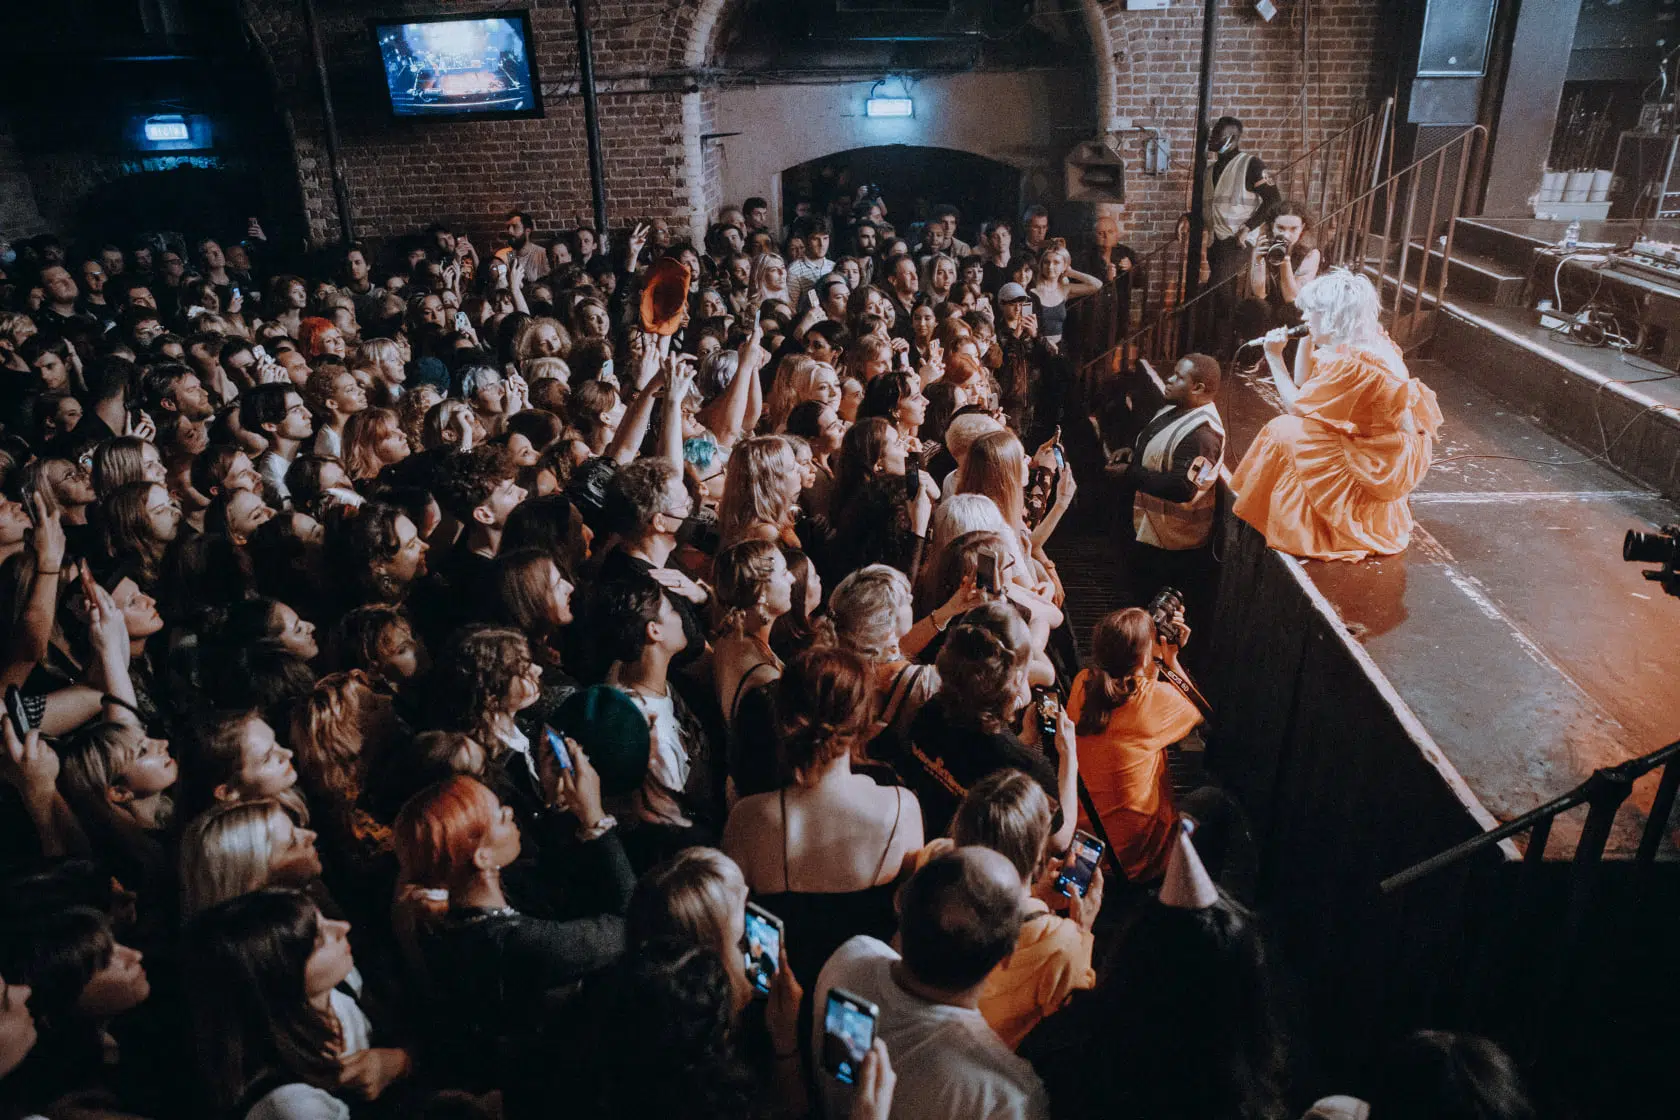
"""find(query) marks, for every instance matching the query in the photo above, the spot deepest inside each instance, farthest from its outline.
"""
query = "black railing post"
(1199, 168)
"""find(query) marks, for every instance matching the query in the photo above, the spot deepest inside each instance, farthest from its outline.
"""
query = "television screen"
(451, 66)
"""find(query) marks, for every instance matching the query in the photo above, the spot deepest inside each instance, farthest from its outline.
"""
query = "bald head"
(960, 918)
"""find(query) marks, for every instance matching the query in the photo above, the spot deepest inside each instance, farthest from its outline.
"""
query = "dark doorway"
(912, 180)
(194, 201)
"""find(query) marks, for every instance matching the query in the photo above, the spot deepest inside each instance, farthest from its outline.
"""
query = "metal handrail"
(1367, 140)
(1604, 791)
(1352, 242)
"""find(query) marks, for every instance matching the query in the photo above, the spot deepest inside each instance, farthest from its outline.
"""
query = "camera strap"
(1182, 683)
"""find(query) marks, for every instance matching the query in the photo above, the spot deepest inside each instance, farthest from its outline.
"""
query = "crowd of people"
(422, 665)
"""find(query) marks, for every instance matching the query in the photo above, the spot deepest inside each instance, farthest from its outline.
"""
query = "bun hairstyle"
(1120, 647)
(741, 575)
(821, 704)
(982, 666)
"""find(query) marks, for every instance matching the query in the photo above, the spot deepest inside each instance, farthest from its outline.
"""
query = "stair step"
(1476, 276)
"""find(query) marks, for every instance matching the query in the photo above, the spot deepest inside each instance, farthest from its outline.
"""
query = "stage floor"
(1512, 629)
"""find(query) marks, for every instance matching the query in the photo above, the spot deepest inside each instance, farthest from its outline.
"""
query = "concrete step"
(1475, 276)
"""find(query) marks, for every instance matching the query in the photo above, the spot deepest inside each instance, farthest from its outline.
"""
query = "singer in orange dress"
(1329, 479)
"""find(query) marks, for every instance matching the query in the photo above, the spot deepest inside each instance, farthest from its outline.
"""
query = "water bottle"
(1572, 236)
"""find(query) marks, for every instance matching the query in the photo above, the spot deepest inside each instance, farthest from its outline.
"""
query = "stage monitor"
(473, 65)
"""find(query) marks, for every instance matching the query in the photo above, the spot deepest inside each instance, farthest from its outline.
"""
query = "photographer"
(1281, 260)
(1127, 712)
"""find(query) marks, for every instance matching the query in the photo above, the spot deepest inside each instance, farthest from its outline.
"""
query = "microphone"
(1299, 330)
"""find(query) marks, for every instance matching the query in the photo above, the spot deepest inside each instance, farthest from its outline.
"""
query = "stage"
(1370, 715)
(1510, 636)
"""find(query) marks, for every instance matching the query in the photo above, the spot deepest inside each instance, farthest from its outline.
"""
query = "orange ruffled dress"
(1329, 480)
(1125, 771)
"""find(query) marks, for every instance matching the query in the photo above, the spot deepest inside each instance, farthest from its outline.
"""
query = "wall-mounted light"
(900, 106)
(160, 129)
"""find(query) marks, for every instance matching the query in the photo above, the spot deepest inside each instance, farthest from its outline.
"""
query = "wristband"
(599, 829)
(48, 571)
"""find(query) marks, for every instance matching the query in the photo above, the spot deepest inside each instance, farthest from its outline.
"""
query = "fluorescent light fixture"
(889, 107)
(158, 129)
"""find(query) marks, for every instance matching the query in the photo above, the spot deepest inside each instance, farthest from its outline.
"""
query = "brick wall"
(402, 174)
(1257, 76)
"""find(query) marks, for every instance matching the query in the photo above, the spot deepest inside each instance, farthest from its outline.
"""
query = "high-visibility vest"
(1179, 525)
(1229, 201)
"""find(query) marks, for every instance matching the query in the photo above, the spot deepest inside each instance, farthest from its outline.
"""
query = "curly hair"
(981, 666)
(822, 708)
(365, 543)
(474, 673)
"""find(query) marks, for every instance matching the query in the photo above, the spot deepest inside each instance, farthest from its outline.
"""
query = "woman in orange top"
(1126, 716)
(1329, 479)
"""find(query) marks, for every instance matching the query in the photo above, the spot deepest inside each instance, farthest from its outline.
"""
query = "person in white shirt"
(803, 274)
(959, 918)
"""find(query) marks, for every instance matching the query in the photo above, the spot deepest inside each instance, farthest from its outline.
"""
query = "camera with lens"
(1277, 251)
(1656, 548)
(1162, 608)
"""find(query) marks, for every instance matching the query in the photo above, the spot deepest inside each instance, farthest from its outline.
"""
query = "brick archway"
(694, 45)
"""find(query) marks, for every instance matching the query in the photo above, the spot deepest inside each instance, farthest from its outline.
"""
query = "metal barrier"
(1385, 231)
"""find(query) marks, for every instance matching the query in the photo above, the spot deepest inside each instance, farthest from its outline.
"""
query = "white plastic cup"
(1577, 186)
(1600, 189)
(1551, 186)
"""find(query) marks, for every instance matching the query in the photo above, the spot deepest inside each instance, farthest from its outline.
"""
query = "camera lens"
(1650, 548)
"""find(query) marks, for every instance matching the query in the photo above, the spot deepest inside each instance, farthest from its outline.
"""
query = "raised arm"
(725, 415)
(1081, 284)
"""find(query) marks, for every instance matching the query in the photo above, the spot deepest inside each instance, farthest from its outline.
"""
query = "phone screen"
(764, 948)
(1076, 876)
(848, 1033)
(912, 483)
(260, 353)
(557, 746)
(986, 571)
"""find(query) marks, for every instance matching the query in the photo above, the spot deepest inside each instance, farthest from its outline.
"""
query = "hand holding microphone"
(1280, 336)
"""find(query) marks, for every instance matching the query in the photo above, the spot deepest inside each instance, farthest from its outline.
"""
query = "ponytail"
(1121, 648)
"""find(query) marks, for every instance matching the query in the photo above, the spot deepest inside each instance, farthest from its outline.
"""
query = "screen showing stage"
(477, 65)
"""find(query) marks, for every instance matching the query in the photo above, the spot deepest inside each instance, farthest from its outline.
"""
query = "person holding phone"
(959, 918)
(491, 963)
(1009, 813)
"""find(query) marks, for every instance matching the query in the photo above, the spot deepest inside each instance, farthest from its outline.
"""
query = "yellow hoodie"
(1051, 961)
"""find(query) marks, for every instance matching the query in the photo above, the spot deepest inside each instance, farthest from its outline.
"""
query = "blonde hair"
(962, 432)
(544, 368)
(688, 897)
(227, 851)
(792, 387)
(993, 467)
(1348, 303)
(1008, 812)
(363, 433)
(755, 283)
(752, 490)
(372, 351)
(524, 341)
(865, 609)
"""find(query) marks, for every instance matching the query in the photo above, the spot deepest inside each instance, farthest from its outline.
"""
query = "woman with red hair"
(319, 336)
(489, 959)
